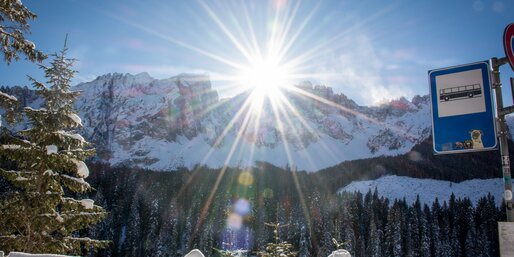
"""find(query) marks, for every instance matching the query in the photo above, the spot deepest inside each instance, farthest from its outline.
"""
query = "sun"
(265, 76)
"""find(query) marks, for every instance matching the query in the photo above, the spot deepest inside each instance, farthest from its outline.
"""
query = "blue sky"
(369, 50)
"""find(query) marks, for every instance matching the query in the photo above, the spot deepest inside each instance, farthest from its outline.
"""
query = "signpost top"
(508, 43)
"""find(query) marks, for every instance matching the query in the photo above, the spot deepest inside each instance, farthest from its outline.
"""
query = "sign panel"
(506, 236)
(508, 43)
(462, 109)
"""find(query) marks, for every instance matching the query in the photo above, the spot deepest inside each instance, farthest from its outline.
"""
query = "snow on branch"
(87, 203)
(14, 147)
(60, 215)
(78, 180)
(30, 109)
(10, 97)
(75, 119)
(57, 216)
(82, 169)
(71, 135)
(86, 241)
(15, 176)
(51, 149)
(11, 147)
(73, 182)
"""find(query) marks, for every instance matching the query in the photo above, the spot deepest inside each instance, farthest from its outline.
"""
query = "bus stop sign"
(462, 109)
(508, 43)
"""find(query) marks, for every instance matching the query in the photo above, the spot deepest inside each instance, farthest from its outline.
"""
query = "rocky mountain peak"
(163, 124)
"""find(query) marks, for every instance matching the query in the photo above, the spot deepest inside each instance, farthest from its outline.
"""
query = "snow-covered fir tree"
(14, 17)
(278, 248)
(46, 169)
(304, 243)
(9, 104)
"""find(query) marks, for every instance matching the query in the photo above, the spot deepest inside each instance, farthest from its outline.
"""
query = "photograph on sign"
(462, 109)
(460, 93)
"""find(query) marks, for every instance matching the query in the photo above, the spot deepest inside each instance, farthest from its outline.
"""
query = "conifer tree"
(14, 17)
(375, 237)
(304, 245)
(278, 248)
(41, 215)
(9, 104)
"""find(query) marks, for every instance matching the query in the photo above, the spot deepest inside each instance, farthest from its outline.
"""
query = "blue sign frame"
(461, 120)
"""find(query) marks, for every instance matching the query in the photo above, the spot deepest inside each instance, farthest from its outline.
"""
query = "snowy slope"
(397, 187)
(165, 124)
(20, 254)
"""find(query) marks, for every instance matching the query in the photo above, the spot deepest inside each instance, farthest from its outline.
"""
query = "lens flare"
(245, 178)
(242, 207)
(234, 221)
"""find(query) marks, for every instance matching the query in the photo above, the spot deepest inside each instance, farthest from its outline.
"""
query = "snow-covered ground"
(19, 254)
(397, 187)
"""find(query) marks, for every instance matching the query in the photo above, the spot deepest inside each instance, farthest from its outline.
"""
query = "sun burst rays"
(264, 68)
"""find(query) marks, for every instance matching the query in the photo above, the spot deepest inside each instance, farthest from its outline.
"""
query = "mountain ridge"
(164, 124)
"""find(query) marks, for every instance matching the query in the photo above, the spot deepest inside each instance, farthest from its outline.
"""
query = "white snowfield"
(398, 187)
(193, 253)
(20, 254)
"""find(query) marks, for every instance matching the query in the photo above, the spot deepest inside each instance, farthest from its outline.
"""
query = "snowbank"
(340, 253)
(195, 253)
(19, 254)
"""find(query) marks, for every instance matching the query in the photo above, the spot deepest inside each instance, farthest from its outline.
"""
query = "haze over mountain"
(181, 122)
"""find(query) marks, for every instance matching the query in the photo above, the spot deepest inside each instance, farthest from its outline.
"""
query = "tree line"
(155, 214)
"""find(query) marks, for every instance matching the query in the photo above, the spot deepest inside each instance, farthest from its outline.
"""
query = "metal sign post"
(505, 229)
(502, 135)
(512, 88)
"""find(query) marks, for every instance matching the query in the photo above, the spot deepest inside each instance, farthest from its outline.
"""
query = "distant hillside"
(397, 187)
(418, 163)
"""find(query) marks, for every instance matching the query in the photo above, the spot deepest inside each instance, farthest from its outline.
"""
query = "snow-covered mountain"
(398, 187)
(182, 122)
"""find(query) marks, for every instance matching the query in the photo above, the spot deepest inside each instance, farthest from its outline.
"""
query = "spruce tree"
(42, 215)
(278, 248)
(9, 104)
(14, 17)
(305, 243)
